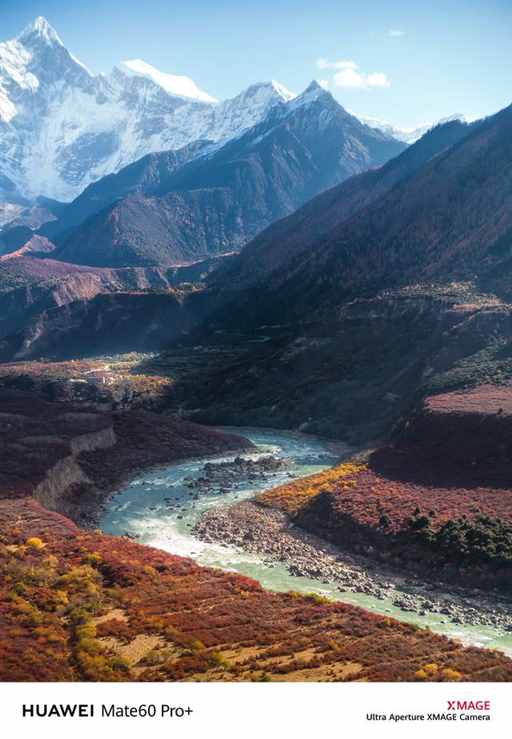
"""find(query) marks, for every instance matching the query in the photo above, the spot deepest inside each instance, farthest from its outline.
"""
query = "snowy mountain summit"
(62, 127)
(171, 83)
(40, 30)
(410, 135)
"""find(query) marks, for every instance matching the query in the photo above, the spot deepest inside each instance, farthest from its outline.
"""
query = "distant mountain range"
(410, 135)
(324, 273)
(176, 207)
(62, 127)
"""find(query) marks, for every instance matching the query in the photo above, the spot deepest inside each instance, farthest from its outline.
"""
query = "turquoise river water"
(159, 510)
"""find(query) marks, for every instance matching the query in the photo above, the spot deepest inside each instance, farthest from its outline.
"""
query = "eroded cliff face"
(41, 444)
(69, 458)
(55, 491)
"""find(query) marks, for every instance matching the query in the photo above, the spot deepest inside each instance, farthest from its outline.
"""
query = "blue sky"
(404, 62)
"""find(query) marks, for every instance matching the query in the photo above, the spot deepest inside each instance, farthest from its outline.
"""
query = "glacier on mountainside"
(62, 127)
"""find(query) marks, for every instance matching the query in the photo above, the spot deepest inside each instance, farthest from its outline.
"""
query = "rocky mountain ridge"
(176, 207)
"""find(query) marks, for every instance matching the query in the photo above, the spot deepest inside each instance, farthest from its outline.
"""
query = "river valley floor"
(204, 510)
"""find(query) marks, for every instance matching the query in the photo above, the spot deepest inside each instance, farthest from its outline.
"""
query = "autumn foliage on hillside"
(424, 504)
(78, 605)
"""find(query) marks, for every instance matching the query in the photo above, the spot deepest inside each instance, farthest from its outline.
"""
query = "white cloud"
(347, 74)
(378, 79)
(349, 77)
(396, 33)
(324, 84)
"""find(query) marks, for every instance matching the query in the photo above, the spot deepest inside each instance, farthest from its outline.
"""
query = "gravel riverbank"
(260, 530)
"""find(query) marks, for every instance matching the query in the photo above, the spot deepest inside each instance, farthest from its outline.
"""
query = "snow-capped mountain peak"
(265, 91)
(313, 92)
(282, 91)
(173, 84)
(40, 31)
(410, 135)
(63, 127)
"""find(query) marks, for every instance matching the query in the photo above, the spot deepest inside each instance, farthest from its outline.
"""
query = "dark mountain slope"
(30, 217)
(219, 201)
(403, 299)
(177, 228)
(333, 144)
(452, 219)
(147, 175)
(290, 236)
(107, 323)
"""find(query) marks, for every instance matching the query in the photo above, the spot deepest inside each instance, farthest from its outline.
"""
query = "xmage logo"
(478, 705)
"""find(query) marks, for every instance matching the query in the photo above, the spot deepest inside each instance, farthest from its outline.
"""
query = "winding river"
(159, 509)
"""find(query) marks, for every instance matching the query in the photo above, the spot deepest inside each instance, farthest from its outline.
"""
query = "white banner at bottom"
(249, 710)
